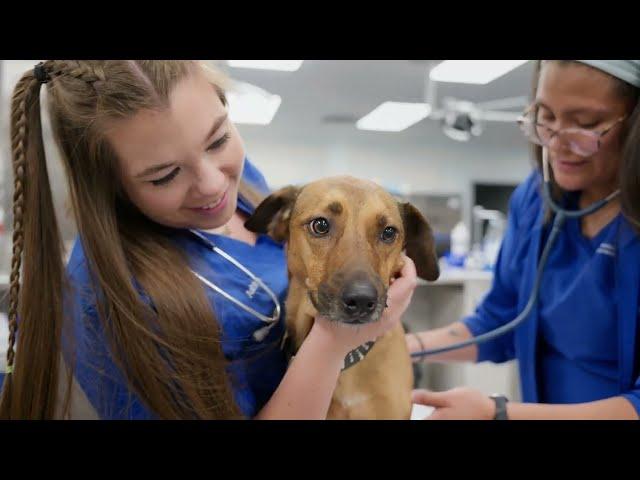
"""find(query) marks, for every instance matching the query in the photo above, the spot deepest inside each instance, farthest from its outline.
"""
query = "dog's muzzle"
(357, 302)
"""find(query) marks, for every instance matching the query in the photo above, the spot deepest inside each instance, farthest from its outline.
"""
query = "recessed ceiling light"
(251, 105)
(479, 72)
(394, 116)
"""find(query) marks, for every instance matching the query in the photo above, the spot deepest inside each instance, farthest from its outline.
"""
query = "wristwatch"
(501, 406)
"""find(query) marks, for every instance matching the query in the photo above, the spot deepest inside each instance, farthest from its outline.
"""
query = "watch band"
(501, 407)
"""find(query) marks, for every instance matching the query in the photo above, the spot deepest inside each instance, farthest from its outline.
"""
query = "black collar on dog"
(353, 357)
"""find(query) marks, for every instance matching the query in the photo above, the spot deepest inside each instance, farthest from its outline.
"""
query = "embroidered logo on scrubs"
(251, 291)
(607, 249)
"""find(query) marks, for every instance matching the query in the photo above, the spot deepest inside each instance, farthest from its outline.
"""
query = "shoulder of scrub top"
(77, 267)
(253, 176)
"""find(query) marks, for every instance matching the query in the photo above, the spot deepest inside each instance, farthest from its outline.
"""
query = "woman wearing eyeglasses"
(579, 350)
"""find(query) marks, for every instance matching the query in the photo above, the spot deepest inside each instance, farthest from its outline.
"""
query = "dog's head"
(345, 237)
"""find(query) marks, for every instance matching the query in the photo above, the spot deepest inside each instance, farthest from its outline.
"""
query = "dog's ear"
(419, 242)
(273, 214)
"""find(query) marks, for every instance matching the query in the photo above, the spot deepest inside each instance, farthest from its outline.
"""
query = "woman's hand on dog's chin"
(344, 338)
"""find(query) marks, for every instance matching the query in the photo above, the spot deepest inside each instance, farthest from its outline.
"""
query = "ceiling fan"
(461, 120)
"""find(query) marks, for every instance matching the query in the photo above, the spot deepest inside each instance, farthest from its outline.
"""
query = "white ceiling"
(352, 88)
(348, 89)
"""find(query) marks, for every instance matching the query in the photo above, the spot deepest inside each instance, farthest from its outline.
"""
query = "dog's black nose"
(359, 298)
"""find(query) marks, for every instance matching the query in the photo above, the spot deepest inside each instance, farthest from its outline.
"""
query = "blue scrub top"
(579, 344)
(257, 367)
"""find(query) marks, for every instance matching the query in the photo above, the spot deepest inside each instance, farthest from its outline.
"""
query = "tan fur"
(379, 386)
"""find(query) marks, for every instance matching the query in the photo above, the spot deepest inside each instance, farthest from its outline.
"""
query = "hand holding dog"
(456, 404)
(345, 338)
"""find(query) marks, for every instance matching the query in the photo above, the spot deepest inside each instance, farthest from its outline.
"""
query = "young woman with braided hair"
(154, 166)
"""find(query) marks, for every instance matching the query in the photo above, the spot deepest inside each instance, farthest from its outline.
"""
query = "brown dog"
(344, 239)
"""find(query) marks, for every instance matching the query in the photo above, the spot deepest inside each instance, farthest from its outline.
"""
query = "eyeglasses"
(581, 141)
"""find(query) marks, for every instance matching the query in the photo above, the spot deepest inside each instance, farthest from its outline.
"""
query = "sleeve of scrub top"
(500, 305)
(634, 396)
(89, 351)
(101, 380)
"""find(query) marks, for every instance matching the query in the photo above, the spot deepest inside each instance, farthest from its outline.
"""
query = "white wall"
(444, 170)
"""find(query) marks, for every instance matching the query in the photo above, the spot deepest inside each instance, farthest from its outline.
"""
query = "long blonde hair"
(120, 245)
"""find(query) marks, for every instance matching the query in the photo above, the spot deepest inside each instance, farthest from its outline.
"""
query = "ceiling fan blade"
(495, 116)
(504, 103)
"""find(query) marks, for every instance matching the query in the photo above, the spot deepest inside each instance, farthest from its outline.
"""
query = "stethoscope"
(561, 216)
(262, 332)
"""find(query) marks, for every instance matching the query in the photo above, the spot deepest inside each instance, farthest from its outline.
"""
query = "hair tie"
(40, 73)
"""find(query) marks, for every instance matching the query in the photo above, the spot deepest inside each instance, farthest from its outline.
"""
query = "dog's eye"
(320, 226)
(389, 234)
